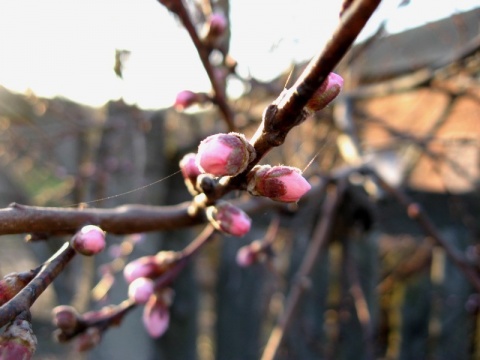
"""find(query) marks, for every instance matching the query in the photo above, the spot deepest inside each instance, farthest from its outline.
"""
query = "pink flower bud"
(224, 154)
(217, 24)
(65, 318)
(156, 317)
(325, 94)
(185, 99)
(249, 254)
(90, 240)
(280, 183)
(229, 219)
(190, 172)
(213, 30)
(141, 289)
(18, 341)
(145, 266)
(149, 266)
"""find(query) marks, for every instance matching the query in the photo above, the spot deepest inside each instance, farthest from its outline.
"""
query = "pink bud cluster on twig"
(87, 329)
(147, 286)
(228, 155)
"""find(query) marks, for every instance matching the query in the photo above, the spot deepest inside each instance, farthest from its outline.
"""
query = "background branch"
(319, 240)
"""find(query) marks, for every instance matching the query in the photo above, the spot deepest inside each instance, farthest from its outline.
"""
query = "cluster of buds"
(69, 322)
(90, 240)
(141, 274)
(86, 329)
(229, 155)
(156, 316)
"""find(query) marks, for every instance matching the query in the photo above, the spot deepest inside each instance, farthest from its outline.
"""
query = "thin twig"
(286, 111)
(179, 9)
(198, 242)
(361, 305)
(319, 240)
(102, 319)
(415, 212)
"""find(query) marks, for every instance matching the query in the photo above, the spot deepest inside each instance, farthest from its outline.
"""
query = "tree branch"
(27, 296)
(178, 8)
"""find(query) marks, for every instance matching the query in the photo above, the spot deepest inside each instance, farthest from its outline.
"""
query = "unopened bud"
(249, 254)
(187, 98)
(229, 219)
(217, 23)
(140, 290)
(18, 341)
(280, 183)
(149, 266)
(65, 318)
(325, 94)
(214, 29)
(11, 284)
(190, 172)
(90, 240)
(156, 317)
(224, 154)
(145, 266)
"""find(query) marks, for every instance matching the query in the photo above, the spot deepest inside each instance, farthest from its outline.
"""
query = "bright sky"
(67, 47)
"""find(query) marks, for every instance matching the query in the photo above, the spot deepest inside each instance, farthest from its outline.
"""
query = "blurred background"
(85, 96)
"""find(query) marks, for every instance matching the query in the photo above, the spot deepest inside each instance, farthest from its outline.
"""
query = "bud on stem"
(224, 154)
(229, 219)
(90, 240)
(325, 94)
(280, 183)
(18, 341)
